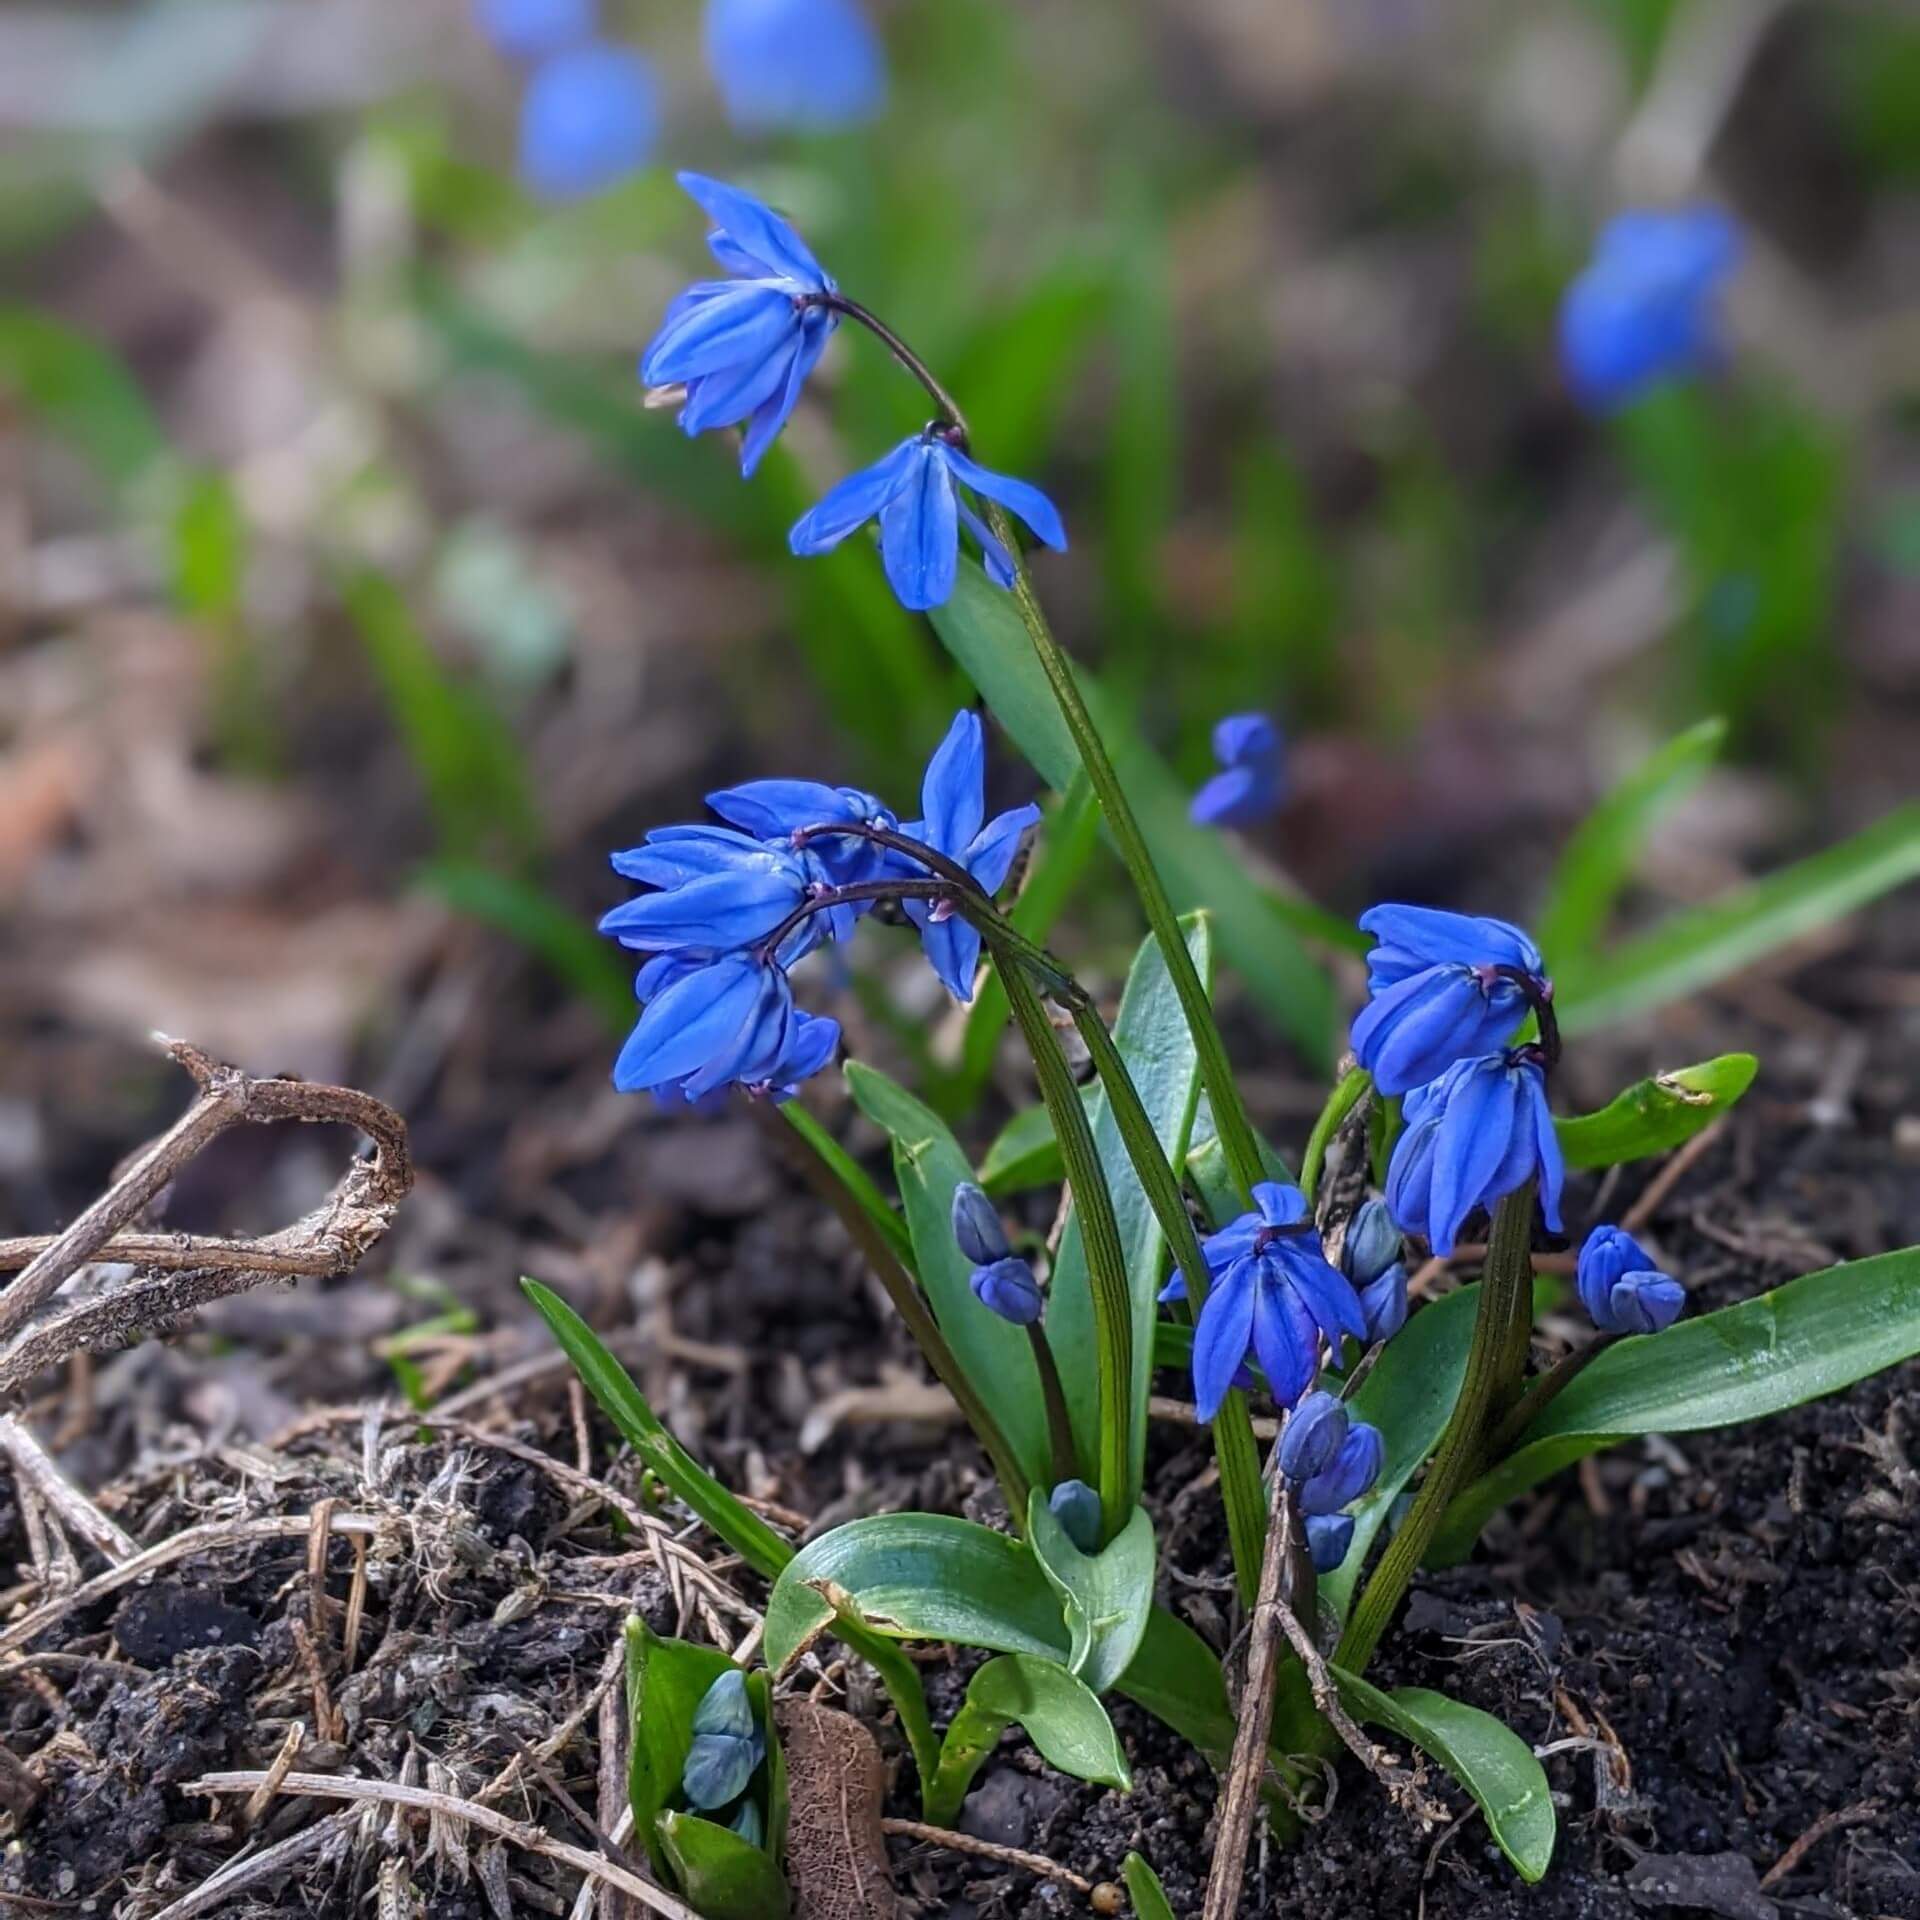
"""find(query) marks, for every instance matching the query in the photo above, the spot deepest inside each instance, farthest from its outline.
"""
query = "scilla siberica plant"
(1401, 1426)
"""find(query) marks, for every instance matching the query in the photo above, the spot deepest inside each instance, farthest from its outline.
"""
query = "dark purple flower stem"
(951, 416)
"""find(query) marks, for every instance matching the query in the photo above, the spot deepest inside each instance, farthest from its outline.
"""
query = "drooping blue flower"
(1329, 1540)
(1247, 788)
(795, 64)
(1478, 1132)
(786, 809)
(589, 117)
(953, 798)
(1273, 1296)
(742, 348)
(1351, 1471)
(1077, 1507)
(915, 493)
(728, 1744)
(1007, 1287)
(532, 29)
(976, 1225)
(1623, 1288)
(1313, 1435)
(1384, 1303)
(1647, 306)
(716, 890)
(1444, 987)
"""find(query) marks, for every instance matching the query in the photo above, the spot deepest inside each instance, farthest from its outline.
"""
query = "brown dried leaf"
(836, 1853)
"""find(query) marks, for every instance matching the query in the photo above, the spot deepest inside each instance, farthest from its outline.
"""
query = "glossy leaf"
(1487, 1758)
(1024, 1155)
(995, 1355)
(666, 1681)
(1758, 1357)
(1061, 1714)
(1654, 1115)
(1149, 1897)
(982, 630)
(1209, 1175)
(1693, 949)
(1106, 1597)
(625, 1405)
(1599, 860)
(1152, 1036)
(722, 1875)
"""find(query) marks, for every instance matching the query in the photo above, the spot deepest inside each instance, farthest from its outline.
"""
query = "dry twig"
(989, 1850)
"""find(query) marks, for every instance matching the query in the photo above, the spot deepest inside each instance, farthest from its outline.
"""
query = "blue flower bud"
(1329, 1537)
(1384, 1303)
(1008, 1288)
(749, 1825)
(1372, 1244)
(1312, 1436)
(1355, 1468)
(1622, 1288)
(1077, 1507)
(976, 1225)
(727, 1744)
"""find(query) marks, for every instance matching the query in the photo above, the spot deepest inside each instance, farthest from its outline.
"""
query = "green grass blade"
(1149, 1897)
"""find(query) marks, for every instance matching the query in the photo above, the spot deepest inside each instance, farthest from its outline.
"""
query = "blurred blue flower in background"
(1247, 788)
(914, 493)
(532, 29)
(795, 64)
(743, 348)
(1646, 307)
(590, 117)
(1622, 1287)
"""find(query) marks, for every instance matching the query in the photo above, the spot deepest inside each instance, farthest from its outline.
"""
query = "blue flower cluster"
(734, 907)
(728, 1744)
(1370, 1258)
(1332, 1459)
(1247, 787)
(740, 351)
(1002, 1282)
(591, 111)
(1447, 994)
(1622, 1288)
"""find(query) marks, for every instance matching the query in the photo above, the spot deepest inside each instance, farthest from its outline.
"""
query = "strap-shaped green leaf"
(1149, 1897)
(1488, 1758)
(1811, 1337)
(1106, 1597)
(1654, 1115)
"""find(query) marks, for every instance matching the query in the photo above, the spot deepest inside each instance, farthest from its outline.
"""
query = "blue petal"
(953, 789)
(1281, 1203)
(1246, 740)
(1412, 1031)
(1327, 1292)
(990, 856)
(1353, 1470)
(993, 556)
(1240, 797)
(1016, 496)
(683, 1026)
(1221, 1338)
(920, 534)
(530, 29)
(1286, 1341)
(1472, 1143)
(758, 1043)
(718, 912)
(675, 854)
(1411, 938)
(1175, 1289)
(1313, 1436)
(1552, 1164)
(736, 393)
(1329, 1540)
(816, 330)
(854, 501)
(741, 322)
(1646, 1303)
(812, 1041)
(952, 947)
(756, 231)
(1410, 1176)
(589, 117)
(774, 809)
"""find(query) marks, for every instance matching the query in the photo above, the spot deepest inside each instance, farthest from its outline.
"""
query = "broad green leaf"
(1489, 1759)
(928, 1164)
(1149, 1897)
(1061, 1714)
(1693, 949)
(1654, 1115)
(722, 1875)
(1106, 1597)
(1599, 860)
(626, 1406)
(83, 392)
(1210, 1177)
(1152, 1036)
(853, 1177)
(982, 630)
(1176, 1676)
(1024, 1154)
(666, 1681)
(1812, 1337)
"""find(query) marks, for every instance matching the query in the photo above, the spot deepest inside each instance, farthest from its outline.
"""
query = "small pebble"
(1107, 1898)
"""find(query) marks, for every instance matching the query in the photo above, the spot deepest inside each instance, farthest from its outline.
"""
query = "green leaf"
(1062, 1717)
(1149, 1897)
(1598, 861)
(1024, 1154)
(666, 1681)
(84, 394)
(624, 1404)
(983, 632)
(1691, 950)
(1814, 1336)
(724, 1876)
(853, 1177)
(1106, 1596)
(1176, 1676)
(1654, 1115)
(1212, 1179)
(1153, 1038)
(995, 1355)
(1490, 1760)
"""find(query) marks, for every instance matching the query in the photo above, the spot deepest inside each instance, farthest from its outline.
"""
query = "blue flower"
(1647, 305)
(1008, 1288)
(1077, 1507)
(1351, 1471)
(976, 1225)
(1313, 1435)
(1384, 1303)
(743, 348)
(531, 29)
(782, 64)
(727, 1744)
(590, 116)
(718, 890)
(1329, 1539)
(921, 511)
(1247, 788)
(1444, 987)
(1372, 1243)
(786, 809)
(1621, 1286)
(1479, 1131)
(953, 797)
(1273, 1296)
